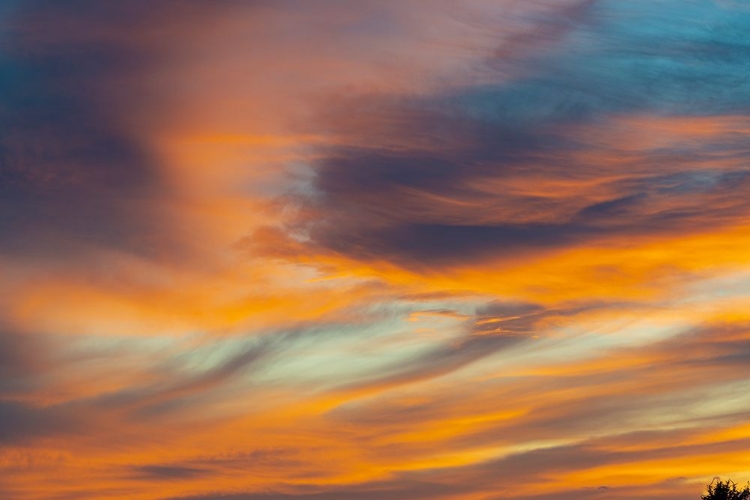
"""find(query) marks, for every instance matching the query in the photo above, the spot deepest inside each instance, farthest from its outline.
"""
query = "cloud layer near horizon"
(405, 249)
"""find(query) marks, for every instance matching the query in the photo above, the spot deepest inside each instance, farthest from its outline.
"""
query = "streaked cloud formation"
(376, 249)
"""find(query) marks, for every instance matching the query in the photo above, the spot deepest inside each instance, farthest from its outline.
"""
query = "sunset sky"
(374, 249)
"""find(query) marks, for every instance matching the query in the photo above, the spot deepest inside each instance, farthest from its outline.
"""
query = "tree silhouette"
(726, 490)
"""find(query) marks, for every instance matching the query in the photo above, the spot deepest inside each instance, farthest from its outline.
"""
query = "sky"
(374, 249)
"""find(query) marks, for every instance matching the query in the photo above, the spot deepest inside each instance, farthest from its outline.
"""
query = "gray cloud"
(446, 192)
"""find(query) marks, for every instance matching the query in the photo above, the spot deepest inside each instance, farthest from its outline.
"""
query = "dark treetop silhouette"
(726, 490)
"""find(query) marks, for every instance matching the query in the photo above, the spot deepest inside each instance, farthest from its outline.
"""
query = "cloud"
(21, 423)
(69, 168)
(18, 362)
(369, 492)
(440, 211)
(452, 176)
(500, 477)
(323, 249)
(167, 472)
(178, 391)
